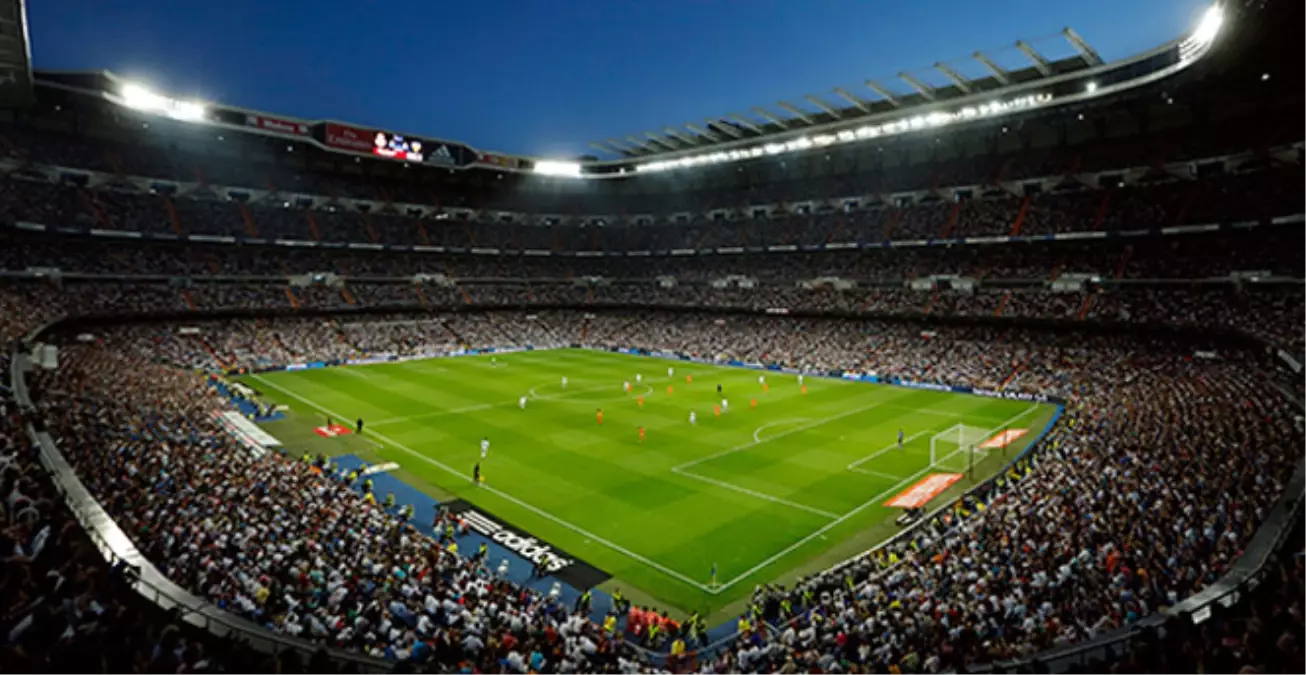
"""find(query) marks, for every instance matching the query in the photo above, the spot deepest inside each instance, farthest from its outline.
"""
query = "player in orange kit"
(641, 434)
(599, 415)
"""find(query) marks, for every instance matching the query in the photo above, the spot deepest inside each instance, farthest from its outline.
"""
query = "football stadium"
(987, 367)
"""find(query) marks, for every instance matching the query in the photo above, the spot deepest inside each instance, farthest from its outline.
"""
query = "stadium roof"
(15, 54)
(844, 105)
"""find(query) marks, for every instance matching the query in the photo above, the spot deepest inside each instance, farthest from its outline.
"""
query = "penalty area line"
(835, 523)
(892, 446)
(500, 493)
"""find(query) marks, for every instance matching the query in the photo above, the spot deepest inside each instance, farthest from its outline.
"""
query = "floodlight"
(136, 96)
(1209, 26)
(551, 168)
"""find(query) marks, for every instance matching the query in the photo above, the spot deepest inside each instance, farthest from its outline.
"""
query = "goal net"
(956, 448)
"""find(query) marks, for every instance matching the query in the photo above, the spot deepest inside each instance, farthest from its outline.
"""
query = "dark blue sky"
(544, 77)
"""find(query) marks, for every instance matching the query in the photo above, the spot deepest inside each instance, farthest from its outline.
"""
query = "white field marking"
(881, 451)
(754, 493)
(759, 495)
(782, 434)
(758, 431)
(563, 394)
(834, 523)
(878, 474)
(534, 509)
(484, 406)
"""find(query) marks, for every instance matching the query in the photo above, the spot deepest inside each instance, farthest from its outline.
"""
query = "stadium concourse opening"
(769, 479)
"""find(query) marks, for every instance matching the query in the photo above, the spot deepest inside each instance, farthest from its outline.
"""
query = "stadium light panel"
(563, 169)
(1091, 87)
(1209, 27)
(142, 98)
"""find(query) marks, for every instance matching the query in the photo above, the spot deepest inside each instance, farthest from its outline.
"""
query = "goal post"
(956, 449)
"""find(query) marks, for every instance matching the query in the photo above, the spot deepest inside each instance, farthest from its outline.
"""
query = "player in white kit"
(761, 379)
(671, 372)
(485, 447)
(693, 418)
(639, 378)
(521, 402)
(725, 405)
(800, 380)
(564, 381)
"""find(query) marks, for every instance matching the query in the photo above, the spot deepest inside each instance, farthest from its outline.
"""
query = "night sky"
(544, 77)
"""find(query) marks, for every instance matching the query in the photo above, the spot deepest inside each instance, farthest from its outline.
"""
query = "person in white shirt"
(625, 386)
(725, 405)
(521, 403)
(693, 418)
(671, 372)
(761, 379)
(485, 447)
(639, 378)
(800, 380)
(564, 381)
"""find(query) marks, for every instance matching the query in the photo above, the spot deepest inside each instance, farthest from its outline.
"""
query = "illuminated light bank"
(931, 120)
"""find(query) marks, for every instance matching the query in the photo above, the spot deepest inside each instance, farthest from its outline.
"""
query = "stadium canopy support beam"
(746, 124)
(924, 89)
(703, 132)
(767, 114)
(853, 99)
(641, 145)
(664, 141)
(998, 73)
(962, 83)
(724, 127)
(1086, 51)
(675, 133)
(1040, 64)
(792, 110)
(816, 101)
(884, 93)
(612, 142)
(609, 149)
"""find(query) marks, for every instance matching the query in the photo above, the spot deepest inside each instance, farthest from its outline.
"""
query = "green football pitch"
(765, 492)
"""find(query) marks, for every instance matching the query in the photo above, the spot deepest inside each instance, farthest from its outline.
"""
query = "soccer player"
(485, 447)
(718, 389)
(359, 430)
(564, 381)
(639, 378)
(521, 403)
(900, 439)
(476, 473)
(693, 418)
(625, 386)
(725, 405)
(599, 416)
(494, 360)
(671, 372)
(800, 379)
(641, 434)
(761, 379)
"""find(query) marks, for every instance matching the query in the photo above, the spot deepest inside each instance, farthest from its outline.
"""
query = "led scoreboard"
(395, 146)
